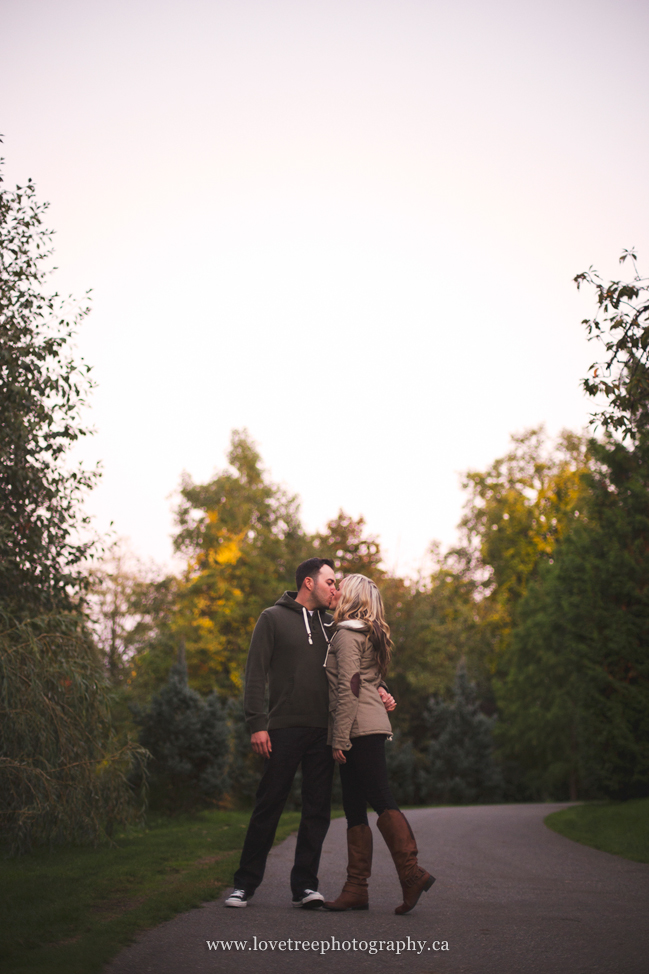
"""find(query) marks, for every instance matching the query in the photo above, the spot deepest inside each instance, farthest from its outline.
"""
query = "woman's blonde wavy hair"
(360, 599)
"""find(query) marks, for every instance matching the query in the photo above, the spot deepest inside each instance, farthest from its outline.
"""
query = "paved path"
(511, 897)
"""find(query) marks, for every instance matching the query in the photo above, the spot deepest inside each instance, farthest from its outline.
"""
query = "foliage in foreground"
(620, 828)
(63, 774)
(71, 910)
(42, 394)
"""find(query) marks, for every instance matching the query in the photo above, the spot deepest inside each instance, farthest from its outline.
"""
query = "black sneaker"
(237, 897)
(308, 899)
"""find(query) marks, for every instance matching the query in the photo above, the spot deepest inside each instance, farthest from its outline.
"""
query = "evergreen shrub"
(460, 767)
(401, 760)
(188, 737)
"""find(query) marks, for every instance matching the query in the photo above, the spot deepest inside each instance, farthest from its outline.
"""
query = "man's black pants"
(291, 746)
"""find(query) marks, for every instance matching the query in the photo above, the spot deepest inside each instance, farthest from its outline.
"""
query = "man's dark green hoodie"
(288, 650)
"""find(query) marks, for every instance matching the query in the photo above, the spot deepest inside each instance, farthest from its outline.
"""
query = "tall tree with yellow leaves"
(243, 539)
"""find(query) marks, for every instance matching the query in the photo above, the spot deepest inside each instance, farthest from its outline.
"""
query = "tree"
(245, 765)
(460, 766)
(351, 551)
(189, 740)
(43, 390)
(574, 687)
(621, 326)
(517, 512)
(110, 608)
(575, 698)
(151, 643)
(243, 540)
(129, 606)
(436, 623)
(63, 772)
(401, 760)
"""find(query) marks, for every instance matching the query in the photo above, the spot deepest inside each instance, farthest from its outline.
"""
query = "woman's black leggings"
(365, 779)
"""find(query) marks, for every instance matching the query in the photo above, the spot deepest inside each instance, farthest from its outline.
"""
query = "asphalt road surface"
(511, 897)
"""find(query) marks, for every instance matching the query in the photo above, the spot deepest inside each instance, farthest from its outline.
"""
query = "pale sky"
(348, 226)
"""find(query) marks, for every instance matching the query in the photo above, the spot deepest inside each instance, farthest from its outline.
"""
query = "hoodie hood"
(288, 601)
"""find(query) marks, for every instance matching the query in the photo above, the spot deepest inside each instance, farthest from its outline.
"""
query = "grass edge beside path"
(621, 828)
(72, 910)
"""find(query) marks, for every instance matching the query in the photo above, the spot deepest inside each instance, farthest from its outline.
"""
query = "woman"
(357, 661)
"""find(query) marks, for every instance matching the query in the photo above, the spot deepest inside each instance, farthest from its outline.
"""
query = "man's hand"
(388, 700)
(339, 756)
(260, 742)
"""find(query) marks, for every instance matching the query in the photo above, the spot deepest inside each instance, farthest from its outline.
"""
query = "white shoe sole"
(236, 903)
(309, 903)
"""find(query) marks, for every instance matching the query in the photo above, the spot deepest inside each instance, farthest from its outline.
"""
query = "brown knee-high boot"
(396, 831)
(359, 867)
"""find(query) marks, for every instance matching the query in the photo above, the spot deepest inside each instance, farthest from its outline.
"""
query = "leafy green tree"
(517, 512)
(575, 698)
(574, 690)
(461, 613)
(63, 771)
(621, 327)
(351, 550)
(43, 390)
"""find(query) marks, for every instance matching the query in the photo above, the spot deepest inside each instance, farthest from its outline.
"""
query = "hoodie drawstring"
(328, 641)
(307, 626)
(305, 616)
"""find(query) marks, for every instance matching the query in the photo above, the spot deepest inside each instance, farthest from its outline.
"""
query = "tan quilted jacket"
(355, 707)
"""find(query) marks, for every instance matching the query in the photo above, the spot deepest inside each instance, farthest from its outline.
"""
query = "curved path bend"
(511, 897)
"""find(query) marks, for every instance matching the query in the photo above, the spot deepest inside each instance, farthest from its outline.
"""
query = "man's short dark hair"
(309, 569)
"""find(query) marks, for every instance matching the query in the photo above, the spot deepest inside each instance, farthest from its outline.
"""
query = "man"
(288, 651)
